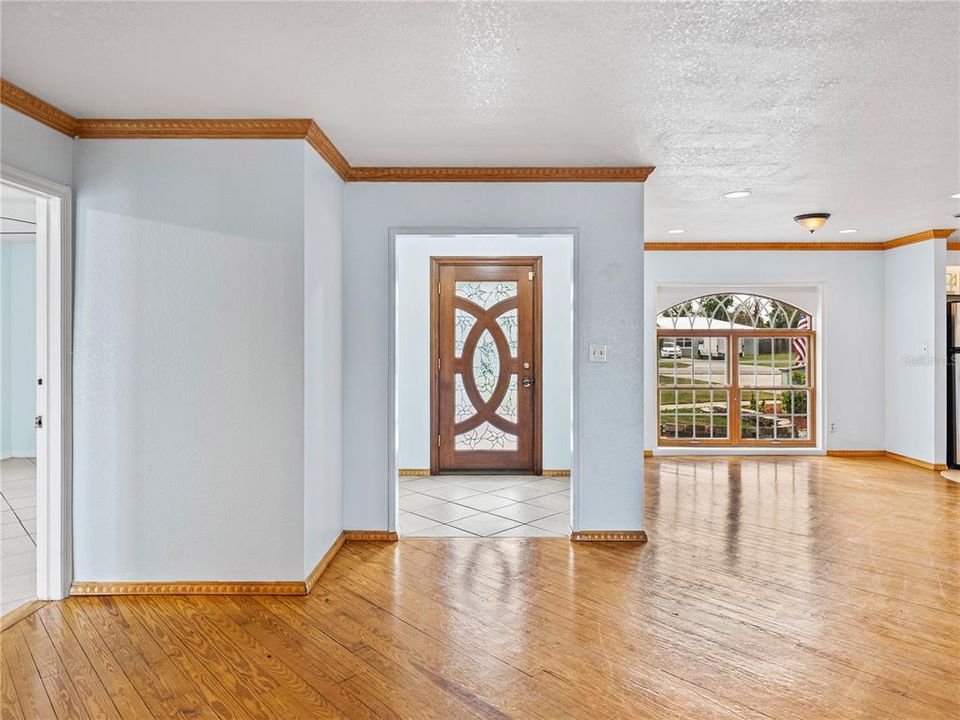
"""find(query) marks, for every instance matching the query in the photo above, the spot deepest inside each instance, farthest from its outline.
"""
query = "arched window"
(733, 311)
(735, 369)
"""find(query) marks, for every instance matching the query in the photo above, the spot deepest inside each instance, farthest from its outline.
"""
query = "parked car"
(669, 349)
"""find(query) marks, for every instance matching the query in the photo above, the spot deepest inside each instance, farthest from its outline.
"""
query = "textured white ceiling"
(851, 108)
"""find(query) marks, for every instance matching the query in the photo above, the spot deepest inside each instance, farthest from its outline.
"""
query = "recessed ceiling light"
(676, 231)
(956, 197)
(736, 194)
(848, 231)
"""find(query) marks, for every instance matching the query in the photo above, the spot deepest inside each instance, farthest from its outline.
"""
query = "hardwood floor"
(770, 588)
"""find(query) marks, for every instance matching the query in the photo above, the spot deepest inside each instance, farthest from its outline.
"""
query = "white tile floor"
(18, 541)
(484, 506)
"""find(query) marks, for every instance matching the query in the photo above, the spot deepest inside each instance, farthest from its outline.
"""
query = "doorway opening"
(35, 302)
(483, 384)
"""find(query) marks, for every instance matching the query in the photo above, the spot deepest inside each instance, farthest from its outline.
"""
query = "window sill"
(740, 450)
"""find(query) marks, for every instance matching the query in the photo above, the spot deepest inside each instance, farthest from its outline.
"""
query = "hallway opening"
(484, 330)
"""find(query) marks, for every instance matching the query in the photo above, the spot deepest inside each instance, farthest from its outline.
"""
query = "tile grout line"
(19, 520)
(511, 501)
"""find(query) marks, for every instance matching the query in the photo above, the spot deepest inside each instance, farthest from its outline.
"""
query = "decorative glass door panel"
(486, 345)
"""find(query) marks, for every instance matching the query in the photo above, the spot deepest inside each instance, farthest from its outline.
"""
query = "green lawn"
(670, 380)
(780, 360)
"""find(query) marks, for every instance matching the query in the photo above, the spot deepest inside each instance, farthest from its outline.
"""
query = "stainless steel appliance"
(953, 382)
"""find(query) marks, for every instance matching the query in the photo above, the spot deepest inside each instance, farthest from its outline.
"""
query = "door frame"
(55, 366)
(450, 232)
(505, 260)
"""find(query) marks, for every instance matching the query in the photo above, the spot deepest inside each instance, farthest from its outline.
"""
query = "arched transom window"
(733, 311)
(735, 369)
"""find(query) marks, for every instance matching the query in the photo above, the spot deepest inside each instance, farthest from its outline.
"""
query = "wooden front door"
(485, 350)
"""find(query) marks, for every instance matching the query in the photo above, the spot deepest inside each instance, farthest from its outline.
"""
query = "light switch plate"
(598, 353)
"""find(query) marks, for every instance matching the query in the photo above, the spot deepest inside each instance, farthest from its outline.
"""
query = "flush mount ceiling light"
(848, 231)
(676, 231)
(736, 194)
(812, 221)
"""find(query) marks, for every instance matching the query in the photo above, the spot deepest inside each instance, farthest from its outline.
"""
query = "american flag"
(800, 343)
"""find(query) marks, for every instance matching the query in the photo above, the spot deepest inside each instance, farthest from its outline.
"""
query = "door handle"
(527, 382)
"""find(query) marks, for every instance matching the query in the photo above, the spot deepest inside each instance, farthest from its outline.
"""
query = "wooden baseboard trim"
(281, 587)
(915, 462)
(324, 562)
(370, 536)
(855, 453)
(11, 618)
(609, 536)
(555, 473)
(413, 472)
(648, 453)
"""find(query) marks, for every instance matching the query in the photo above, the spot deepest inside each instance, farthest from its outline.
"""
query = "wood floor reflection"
(770, 588)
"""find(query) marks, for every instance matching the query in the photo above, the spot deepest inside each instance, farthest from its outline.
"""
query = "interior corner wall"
(413, 336)
(189, 354)
(914, 309)
(940, 350)
(28, 145)
(609, 220)
(850, 339)
(322, 358)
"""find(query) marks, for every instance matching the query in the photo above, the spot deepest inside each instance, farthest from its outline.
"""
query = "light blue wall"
(18, 354)
(188, 360)
(609, 219)
(322, 358)
(33, 147)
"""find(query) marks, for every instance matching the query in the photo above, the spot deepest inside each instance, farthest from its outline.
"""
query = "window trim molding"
(734, 389)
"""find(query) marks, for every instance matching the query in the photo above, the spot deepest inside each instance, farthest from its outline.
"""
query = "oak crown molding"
(742, 246)
(935, 234)
(306, 129)
(15, 97)
(608, 536)
(500, 174)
